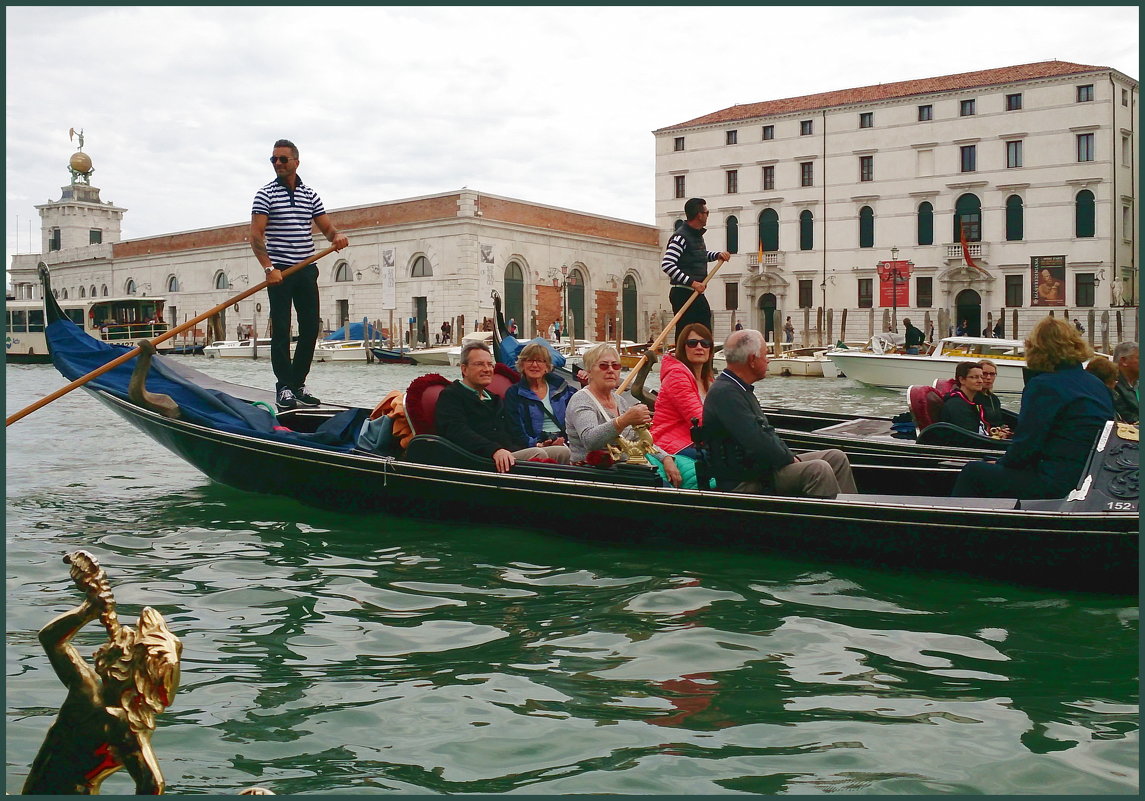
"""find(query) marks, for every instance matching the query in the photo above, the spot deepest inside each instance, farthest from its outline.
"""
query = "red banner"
(894, 283)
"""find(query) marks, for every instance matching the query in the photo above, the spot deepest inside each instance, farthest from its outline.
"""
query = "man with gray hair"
(471, 416)
(746, 453)
(1125, 401)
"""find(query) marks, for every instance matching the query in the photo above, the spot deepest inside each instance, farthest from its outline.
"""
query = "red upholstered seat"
(504, 377)
(943, 386)
(925, 405)
(421, 401)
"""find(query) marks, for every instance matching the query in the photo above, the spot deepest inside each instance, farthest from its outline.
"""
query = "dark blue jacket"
(1061, 416)
(526, 409)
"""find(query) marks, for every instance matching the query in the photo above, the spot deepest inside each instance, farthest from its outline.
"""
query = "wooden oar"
(664, 334)
(79, 382)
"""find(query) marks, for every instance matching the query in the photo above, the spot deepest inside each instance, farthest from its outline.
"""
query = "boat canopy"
(355, 331)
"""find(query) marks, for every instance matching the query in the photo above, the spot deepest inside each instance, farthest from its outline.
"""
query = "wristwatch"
(267, 270)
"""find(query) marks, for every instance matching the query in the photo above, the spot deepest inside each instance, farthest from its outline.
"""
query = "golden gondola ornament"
(108, 717)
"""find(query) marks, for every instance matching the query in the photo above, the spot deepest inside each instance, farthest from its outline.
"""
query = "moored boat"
(881, 364)
(392, 355)
(240, 348)
(1087, 541)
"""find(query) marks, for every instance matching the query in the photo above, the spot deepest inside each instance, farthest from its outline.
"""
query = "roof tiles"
(889, 91)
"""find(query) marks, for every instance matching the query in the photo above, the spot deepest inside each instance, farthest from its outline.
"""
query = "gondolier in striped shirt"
(686, 264)
(280, 235)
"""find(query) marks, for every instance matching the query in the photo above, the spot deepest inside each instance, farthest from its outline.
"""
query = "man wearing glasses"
(280, 235)
(686, 264)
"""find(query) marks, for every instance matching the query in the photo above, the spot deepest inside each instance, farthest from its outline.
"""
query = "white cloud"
(553, 105)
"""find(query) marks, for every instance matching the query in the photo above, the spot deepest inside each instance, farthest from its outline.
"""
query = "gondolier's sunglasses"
(691, 343)
(280, 159)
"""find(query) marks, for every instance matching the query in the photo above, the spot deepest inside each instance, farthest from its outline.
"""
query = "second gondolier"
(686, 263)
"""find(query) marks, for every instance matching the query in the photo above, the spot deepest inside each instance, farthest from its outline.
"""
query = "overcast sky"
(180, 106)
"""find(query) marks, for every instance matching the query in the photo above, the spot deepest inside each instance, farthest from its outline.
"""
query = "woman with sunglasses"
(684, 381)
(597, 415)
(538, 401)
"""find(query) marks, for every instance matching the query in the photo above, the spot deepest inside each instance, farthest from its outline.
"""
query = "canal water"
(332, 653)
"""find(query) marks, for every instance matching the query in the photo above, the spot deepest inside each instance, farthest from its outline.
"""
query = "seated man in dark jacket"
(470, 416)
(746, 453)
(1125, 390)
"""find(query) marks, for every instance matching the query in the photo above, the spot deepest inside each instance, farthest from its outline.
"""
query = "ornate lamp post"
(896, 272)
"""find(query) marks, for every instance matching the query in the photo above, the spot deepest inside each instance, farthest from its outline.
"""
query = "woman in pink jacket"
(684, 382)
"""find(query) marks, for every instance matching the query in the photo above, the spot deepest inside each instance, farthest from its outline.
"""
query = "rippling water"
(328, 653)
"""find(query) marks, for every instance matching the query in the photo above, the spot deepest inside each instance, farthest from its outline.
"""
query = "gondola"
(1085, 542)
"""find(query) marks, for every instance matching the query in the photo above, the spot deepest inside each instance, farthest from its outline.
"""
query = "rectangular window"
(54, 241)
(925, 113)
(731, 137)
(678, 180)
(924, 292)
(1083, 290)
(806, 293)
(731, 295)
(733, 181)
(1014, 293)
(1085, 147)
(966, 108)
(1014, 154)
(866, 295)
(806, 173)
(769, 177)
(867, 119)
(968, 155)
(1126, 222)
(1126, 152)
(94, 236)
(678, 144)
(1014, 102)
(1125, 97)
(806, 128)
(866, 168)
(768, 132)
(1085, 93)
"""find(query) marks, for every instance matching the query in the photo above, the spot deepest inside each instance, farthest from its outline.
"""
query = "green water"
(328, 653)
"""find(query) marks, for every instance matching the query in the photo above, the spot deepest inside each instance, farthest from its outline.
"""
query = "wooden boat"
(392, 356)
(1086, 541)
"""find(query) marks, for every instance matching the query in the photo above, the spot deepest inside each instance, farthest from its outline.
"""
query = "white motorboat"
(354, 350)
(450, 355)
(883, 364)
(240, 348)
(804, 362)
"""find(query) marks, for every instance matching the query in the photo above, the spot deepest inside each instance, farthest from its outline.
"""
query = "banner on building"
(389, 280)
(1047, 280)
(894, 283)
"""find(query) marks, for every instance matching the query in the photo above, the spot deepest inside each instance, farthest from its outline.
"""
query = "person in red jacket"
(684, 381)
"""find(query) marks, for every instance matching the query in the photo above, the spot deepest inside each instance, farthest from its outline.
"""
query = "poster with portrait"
(1047, 280)
(389, 280)
(486, 254)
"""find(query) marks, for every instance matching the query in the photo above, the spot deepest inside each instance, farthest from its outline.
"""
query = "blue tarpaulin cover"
(356, 331)
(76, 354)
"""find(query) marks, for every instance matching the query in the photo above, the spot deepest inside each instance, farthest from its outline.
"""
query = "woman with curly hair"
(1063, 410)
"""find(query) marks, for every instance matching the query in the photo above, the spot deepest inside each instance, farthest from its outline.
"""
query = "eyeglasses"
(987, 375)
(536, 361)
(693, 343)
(608, 365)
(280, 159)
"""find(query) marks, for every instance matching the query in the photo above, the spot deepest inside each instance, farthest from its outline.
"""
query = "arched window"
(129, 287)
(968, 216)
(221, 281)
(421, 268)
(342, 272)
(732, 231)
(515, 295)
(1015, 218)
(83, 292)
(103, 290)
(1085, 214)
(65, 294)
(866, 227)
(806, 230)
(769, 230)
(628, 302)
(172, 284)
(576, 303)
(925, 223)
(92, 292)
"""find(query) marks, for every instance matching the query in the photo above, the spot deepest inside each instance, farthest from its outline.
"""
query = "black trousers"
(698, 312)
(300, 290)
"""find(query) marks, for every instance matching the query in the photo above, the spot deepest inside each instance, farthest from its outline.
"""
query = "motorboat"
(354, 350)
(803, 362)
(883, 362)
(240, 348)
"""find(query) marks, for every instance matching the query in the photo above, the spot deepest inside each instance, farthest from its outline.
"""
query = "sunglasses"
(280, 159)
(608, 365)
(692, 343)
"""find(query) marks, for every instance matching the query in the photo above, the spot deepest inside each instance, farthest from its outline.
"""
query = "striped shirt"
(670, 265)
(289, 219)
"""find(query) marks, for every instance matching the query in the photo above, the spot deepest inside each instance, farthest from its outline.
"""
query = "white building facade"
(411, 264)
(1036, 163)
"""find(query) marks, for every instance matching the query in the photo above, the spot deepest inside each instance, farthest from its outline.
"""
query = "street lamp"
(896, 272)
(565, 296)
